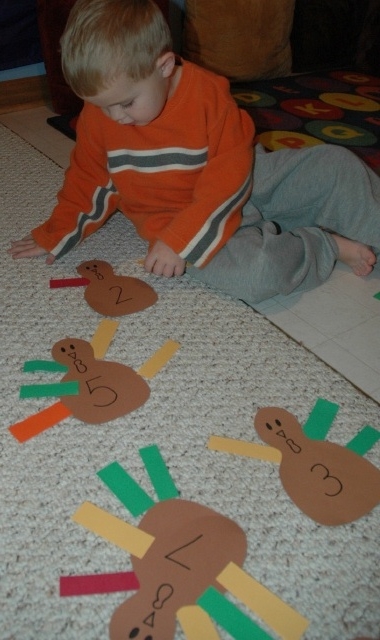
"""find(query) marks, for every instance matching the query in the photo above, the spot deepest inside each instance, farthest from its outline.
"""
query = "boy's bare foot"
(356, 255)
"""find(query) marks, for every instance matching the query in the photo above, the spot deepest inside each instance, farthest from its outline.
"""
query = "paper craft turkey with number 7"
(185, 556)
(107, 390)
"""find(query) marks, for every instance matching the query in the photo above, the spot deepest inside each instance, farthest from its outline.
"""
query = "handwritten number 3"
(326, 476)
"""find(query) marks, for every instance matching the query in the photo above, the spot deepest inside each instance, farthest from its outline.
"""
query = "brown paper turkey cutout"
(192, 545)
(183, 554)
(107, 390)
(329, 483)
(112, 295)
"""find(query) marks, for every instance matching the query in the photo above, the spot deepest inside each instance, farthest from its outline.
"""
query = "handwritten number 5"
(93, 389)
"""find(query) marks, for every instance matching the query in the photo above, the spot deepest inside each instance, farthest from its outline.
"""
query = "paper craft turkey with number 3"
(330, 483)
(107, 390)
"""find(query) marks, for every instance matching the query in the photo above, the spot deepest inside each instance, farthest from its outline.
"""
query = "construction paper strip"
(70, 388)
(377, 295)
(126, 489)
(103, 337)
(228, 616)
(159, 359)
(320, 419)
(120, 533)
(30, 366)
(196, 624)
(284, 620)
(39, 422)
(100, 583)
(57, 283)
(364, 440)
(158, 473)
(242, 448)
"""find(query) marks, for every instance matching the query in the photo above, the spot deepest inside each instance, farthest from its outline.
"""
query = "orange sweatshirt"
(182, 179)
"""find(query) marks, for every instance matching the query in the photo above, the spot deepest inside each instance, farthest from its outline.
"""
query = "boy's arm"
(203, 227)
(28, 248)
(86, 200)
(163, 261)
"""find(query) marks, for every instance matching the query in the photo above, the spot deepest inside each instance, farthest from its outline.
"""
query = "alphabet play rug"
(338, 107)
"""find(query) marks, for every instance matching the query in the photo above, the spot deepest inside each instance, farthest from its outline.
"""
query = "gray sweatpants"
(304, 191)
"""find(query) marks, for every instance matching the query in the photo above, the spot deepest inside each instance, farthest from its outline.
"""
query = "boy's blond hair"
(105, 38)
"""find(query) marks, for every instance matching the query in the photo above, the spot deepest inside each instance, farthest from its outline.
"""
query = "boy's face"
(137, 103)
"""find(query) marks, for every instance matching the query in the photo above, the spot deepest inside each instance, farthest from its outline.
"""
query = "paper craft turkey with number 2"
(112, 295)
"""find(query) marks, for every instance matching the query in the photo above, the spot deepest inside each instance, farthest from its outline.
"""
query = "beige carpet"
(231, 362)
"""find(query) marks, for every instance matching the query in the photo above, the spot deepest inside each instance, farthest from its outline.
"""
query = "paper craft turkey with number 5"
(107, 390)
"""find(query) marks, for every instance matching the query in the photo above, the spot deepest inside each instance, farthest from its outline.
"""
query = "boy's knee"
(334, 154)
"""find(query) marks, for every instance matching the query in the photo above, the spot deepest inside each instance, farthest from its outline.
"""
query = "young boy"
(163, 141)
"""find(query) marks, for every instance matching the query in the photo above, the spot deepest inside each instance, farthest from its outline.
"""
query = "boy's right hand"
(28, 248)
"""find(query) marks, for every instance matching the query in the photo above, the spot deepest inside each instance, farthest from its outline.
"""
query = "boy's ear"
(166, 63)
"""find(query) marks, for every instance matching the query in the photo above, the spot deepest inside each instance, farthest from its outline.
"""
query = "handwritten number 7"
(170, 555)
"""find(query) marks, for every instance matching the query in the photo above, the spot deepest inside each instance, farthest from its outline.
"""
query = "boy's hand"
(163, 261)
(28, 248)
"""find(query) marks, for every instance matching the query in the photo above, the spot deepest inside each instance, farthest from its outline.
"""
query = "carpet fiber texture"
(231, 362)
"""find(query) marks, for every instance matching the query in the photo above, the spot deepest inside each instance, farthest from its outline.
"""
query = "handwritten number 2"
(118, 299)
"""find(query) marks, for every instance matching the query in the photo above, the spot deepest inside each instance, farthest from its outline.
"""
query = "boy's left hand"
(163, 261)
